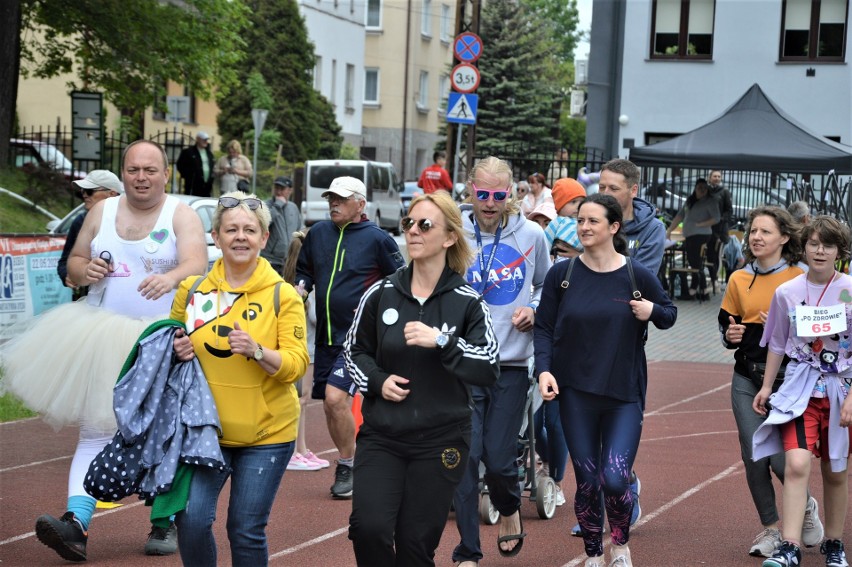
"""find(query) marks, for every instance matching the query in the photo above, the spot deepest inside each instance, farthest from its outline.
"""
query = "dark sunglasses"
(484, 194)
(425, 225)
(231, 202)
(90, 192)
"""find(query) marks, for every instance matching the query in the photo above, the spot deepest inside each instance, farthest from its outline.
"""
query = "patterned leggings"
(603, 436)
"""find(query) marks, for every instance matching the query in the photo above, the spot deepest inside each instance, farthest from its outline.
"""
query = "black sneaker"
(787, 555)
(162, 541)
(835, 556)
(65, 536)
(342, 487)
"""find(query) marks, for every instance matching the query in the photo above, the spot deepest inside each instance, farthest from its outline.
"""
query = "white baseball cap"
(98, 178)
(346, 187)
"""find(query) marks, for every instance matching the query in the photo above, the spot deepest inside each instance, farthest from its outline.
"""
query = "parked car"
(205, 207)
(409, 191)
(23, 152)
(670, 195)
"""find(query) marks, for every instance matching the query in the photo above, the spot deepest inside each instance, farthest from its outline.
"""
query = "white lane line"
(731, 470)
(689, 399)
(35, 463)
(309, 543)
(13, 539)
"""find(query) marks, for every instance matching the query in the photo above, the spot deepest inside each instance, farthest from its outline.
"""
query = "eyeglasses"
(484, 194)
(425, 225)
(231, 202)
(826, 248)
(90, 192)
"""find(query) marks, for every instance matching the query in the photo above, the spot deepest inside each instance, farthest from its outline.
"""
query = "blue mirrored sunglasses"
(484, 194)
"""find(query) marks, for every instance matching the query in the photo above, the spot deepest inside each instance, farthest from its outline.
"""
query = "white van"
(383, 189)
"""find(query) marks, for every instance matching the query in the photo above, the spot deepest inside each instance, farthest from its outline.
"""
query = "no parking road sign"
(461, 108)
(467, 47)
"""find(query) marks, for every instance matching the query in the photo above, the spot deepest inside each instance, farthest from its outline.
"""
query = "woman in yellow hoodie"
(247, 329)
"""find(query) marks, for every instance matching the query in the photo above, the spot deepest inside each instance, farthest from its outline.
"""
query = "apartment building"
(660, 68)
(407, 63)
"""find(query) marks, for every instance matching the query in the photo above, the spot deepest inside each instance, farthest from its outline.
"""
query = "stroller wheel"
(545, 498)
(487, 512)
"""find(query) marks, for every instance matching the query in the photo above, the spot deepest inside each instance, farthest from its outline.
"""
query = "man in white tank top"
(133, 251)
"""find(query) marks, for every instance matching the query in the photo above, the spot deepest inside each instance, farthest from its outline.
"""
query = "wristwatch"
(258, 354)
(441, 340)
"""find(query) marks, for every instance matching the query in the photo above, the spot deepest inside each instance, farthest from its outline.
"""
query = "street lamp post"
(258, 117)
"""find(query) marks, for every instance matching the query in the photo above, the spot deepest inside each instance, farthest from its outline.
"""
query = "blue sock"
(348, 462)
(83, 508)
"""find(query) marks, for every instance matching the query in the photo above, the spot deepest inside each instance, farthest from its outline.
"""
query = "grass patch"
(16, 216)
(11, 409)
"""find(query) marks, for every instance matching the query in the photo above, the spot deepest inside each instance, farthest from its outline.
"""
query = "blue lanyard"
(485, 269)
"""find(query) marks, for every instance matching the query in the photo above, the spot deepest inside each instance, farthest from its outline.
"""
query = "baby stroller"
(539, 489)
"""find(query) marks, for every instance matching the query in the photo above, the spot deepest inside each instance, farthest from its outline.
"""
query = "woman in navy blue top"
(590, 355)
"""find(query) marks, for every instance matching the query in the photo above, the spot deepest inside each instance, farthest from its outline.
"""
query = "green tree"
(518, 99)
(559, 19)
(282, 53)
(129, 50)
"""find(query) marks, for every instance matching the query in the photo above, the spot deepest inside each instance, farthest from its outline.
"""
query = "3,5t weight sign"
(465, 78)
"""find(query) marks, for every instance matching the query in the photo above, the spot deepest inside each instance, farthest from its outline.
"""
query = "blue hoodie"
(342, 263)
(646, 235)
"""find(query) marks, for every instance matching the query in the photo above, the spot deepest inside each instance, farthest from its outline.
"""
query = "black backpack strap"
(637, 295)
(566, 280)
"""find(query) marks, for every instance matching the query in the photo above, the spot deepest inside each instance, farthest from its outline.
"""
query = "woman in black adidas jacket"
(418, 339)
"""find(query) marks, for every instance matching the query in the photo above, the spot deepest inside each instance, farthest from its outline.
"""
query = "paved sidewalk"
(694, 337)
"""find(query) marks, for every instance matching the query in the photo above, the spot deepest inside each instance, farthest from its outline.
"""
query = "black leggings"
(692, 247)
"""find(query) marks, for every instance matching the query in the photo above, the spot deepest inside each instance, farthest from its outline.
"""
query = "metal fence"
(669, 188)
(552, 163)
(173, 141)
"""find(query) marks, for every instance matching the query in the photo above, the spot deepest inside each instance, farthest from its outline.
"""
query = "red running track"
(696, 506)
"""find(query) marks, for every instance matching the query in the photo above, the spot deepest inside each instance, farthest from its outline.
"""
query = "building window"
(350, 86)
(374, 15)
(446, 22)
(371, 86)
(682, 29)
(443, 92)
(318, 74)
(426, 19)
(333, 97)
(423, 99)
(814, 30)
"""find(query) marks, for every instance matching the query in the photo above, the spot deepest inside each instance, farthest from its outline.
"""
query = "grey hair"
(799, 210)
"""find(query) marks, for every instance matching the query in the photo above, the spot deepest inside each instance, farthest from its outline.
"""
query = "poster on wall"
(29, 284)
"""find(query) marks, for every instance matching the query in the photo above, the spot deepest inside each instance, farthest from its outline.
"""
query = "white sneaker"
(620, 556)
(300, 463)
(560, 496)
(598, 561)
(812, 530)
(765, 543)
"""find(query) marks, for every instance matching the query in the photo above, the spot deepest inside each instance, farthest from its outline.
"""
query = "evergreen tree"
(518, 101)
(279, 49)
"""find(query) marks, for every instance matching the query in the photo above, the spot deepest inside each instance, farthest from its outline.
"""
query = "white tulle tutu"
(64, 363)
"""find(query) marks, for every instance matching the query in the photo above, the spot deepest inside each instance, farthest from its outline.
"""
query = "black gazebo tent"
(752, 135)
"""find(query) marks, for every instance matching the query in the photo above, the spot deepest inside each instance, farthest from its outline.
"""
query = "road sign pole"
(456, 158)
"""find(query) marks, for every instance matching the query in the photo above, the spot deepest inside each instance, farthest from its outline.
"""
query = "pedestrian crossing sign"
(461, 108)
